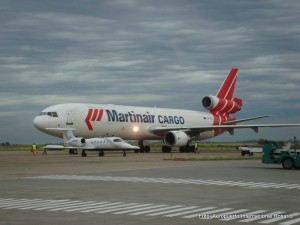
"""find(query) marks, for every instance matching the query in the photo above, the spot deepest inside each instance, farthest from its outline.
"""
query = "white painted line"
(23, 204)
(171, 211)
(291, 222)
(46, 203)
(155, 210)
(151, 206)
(171, 181)
(107, 209)
(105, 206)
(87, 206)
(15, 202)
(66, 205)
(125, 207)
(55, 205)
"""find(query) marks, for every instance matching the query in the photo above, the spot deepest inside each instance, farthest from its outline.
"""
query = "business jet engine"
(222, 105)
(176, 138)
(76, 142)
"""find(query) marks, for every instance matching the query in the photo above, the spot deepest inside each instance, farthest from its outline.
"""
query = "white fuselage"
(106, 143)
(127, 122)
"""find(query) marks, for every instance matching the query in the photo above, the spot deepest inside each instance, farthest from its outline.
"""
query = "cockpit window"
(51, 114)
(117, 140)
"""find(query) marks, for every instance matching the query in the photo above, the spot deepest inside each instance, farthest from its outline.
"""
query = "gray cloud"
(168, 53)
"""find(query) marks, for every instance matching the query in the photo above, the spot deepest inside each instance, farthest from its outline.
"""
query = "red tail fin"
(227, 89)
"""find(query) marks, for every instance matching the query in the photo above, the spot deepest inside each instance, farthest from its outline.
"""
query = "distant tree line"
(5, 144)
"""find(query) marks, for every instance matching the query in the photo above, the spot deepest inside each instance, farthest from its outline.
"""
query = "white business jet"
(92, 144)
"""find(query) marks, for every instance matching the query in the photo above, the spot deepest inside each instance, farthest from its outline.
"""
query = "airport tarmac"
(144, 189)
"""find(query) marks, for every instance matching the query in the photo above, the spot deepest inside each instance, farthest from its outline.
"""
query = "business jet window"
(117, 140)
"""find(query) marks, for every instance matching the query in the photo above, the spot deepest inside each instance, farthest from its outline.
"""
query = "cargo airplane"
(91, 144)
(176, 127)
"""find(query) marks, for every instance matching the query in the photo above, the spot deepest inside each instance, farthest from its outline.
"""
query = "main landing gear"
(142, 147)
(83, 153)
(73, 151)
(187, 148)
(101, 153)
(166, 149)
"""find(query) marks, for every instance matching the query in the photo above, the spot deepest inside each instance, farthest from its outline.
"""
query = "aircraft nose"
(37, 123)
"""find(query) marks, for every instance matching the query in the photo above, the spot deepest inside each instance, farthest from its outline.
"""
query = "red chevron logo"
(92, 116)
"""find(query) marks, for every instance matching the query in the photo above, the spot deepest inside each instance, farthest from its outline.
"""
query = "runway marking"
(148, 209)
(244, 184)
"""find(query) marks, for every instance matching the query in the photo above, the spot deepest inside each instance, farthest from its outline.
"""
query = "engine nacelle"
(222, 105)
(176, 138)
(75, 142)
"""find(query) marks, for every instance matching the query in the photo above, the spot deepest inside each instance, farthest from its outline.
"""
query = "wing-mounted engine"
(176, 138)
(222, 105)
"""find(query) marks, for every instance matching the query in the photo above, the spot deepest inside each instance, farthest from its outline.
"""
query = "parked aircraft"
(177, 127)
(92, 144)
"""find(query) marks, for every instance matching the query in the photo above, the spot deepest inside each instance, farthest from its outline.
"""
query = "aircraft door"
(69, 116)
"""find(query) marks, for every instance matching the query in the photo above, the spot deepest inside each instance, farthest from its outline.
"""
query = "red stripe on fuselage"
(95, 114)
(100, 115)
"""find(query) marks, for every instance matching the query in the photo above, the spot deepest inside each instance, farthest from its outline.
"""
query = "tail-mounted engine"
(222, 105)
(176, 138)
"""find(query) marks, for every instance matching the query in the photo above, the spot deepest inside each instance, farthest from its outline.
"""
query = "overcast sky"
(166, 53)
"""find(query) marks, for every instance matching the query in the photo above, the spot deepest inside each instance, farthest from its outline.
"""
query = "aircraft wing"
(86, 148)
(244, 120)
(62, 147)
(229, 128)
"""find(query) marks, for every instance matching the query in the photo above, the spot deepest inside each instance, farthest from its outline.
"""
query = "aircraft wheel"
(83, 154)
(73, 151)
(101, 153)
(147, 149)
(166, 149)
(288, 163)
(136, 150)
(182, 149)
(124, 154)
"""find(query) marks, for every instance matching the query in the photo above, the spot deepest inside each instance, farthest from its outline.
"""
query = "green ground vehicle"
(289, 158)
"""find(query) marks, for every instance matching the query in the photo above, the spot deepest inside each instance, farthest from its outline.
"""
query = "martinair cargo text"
(176, 127)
